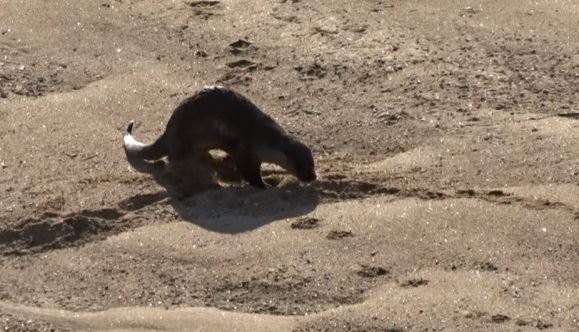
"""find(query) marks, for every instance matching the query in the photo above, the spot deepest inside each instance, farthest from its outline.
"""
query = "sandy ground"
(445, 135)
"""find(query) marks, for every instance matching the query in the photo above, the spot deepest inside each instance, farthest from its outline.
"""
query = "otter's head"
(300, 160)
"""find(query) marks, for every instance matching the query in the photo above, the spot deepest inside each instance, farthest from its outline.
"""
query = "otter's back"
(219, 117)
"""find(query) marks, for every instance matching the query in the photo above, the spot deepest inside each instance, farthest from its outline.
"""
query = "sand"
(445, 137)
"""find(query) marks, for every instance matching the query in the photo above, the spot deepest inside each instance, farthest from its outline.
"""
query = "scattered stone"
(240, 43)
(414, 282)
(488, 266)
(499, 318)
(498, 193)
(467, 192)
(572, 115)
(475, 314)
(305, 223)
(469, 11)
(71, 154)
(542, 325)
(325, 31)
(359, 28)
(243, 63)
(310, 72)
(241, 46)
(204, 3)
(336, 235)
(371, 271)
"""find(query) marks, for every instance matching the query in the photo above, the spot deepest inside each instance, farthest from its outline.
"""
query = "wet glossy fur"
(220, 118)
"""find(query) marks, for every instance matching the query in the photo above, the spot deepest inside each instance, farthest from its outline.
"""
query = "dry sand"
(445, 135)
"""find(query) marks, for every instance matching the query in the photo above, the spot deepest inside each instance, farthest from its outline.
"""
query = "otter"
(219, 118)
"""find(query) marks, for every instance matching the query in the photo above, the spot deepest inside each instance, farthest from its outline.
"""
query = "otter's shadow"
(226, 209)
(242, 209)
(235, 209)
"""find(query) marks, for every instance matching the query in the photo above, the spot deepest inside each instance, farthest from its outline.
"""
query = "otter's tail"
(136, 149)
(138, 153)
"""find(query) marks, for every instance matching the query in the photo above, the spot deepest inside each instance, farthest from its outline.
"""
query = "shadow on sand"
(236, 210)
(230, 210)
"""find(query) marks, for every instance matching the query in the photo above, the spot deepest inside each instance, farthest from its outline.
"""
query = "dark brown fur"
(220, 118)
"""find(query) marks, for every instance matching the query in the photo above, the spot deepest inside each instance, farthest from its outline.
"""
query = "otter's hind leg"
(224, 167)
(249, 166)
(192, 175)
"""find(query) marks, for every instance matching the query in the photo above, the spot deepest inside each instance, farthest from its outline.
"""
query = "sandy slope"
(147, 319)
(445, 137)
